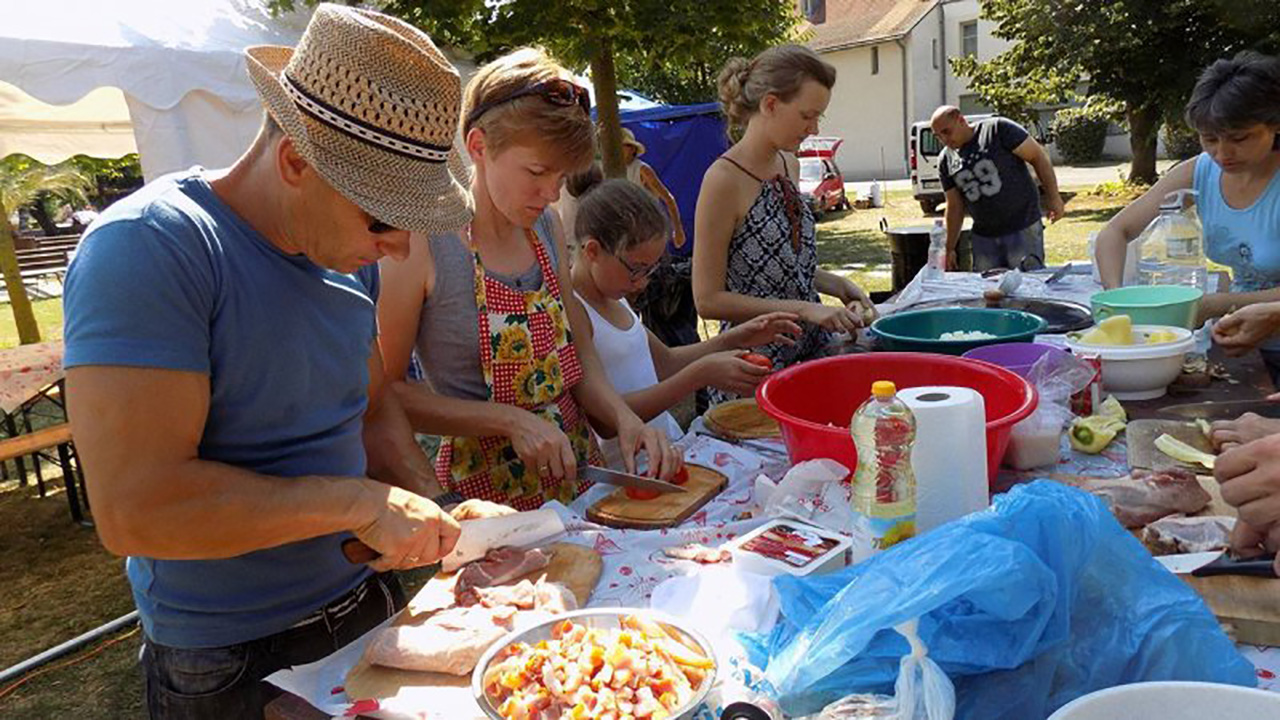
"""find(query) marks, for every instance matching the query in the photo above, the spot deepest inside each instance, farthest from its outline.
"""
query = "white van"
(923, 148)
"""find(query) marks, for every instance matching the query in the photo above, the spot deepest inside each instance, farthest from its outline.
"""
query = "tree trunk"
(40, 213)
(23, 316)
(1143, 124)
(605, 80)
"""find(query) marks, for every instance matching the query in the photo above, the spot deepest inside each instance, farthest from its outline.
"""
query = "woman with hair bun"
(755, 247)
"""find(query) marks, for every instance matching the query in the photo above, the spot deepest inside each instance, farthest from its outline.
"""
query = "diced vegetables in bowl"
(596, 663)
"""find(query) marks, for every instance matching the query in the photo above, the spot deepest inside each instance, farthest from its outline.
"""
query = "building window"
(935, 53)
(969, 38)
(875, 61)
(815, 11)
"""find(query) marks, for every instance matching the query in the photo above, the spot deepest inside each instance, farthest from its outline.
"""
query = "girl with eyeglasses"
(755, 246)
(512, 380)
(624, 233)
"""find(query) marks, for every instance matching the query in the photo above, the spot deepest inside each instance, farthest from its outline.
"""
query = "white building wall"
(924, 70)
(867, 111)
(957, 13)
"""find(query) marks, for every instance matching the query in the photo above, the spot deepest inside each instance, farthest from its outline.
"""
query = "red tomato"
(641, 494)
(758, 359)
(681, 477)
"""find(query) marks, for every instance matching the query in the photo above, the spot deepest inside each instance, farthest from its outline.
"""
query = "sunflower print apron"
(528, 358)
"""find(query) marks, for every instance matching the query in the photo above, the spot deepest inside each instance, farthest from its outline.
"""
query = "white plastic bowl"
(1139, 371)
(1172, 701)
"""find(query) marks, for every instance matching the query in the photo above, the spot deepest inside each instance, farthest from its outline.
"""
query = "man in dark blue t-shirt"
(984, 172)
(223, 373)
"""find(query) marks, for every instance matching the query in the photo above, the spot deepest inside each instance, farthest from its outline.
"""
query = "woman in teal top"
(1236, 109)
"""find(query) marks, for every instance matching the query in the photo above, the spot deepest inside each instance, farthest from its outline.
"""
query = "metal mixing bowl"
(604, 618)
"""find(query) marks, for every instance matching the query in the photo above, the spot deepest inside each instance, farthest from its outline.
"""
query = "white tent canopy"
(96, 125)
(179, 65)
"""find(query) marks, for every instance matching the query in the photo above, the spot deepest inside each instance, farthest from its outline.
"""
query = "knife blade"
(598, 474)
(1062, 271)
(478, 536)
(1222, 410)
(1209, 564)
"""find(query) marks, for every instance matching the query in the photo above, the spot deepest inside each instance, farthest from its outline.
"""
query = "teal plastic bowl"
(1175, 305)
(918, 331)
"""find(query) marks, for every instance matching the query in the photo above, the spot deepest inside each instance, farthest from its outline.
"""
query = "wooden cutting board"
(741, 420)
(619, 511)
(577, 567)
(1140, 435)
(1250, 606)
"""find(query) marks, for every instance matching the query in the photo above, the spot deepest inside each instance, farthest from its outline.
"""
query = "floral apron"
(528, 357)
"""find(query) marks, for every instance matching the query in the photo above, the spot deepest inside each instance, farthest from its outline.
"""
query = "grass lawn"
(853, 238)
(48, 318)
(59, 582)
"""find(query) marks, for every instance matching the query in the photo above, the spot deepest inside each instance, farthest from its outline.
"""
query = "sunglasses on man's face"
(377, 227)
(557, 92)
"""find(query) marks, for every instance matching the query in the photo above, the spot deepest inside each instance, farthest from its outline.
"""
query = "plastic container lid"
(883, 388)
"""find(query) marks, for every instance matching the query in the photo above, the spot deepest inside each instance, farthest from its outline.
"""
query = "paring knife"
(1208, 564)
(1228, 410)
(622, 479)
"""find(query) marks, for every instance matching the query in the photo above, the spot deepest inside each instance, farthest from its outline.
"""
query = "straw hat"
(629, 138)
(372, 105)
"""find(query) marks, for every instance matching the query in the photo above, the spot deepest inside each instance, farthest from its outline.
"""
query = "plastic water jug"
(1170, 251)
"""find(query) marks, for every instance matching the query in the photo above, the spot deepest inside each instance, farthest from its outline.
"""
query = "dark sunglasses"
(377, 227)
(557, 92)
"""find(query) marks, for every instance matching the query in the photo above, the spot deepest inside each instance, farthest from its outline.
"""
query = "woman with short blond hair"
(510, 383)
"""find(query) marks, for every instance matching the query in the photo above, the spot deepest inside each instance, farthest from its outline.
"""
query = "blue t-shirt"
(1245, 240)
(172, 278)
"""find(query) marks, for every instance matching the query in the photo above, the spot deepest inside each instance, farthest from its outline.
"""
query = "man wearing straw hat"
(223, 369)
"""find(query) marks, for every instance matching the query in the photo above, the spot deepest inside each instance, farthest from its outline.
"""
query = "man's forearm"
(1044, 171)
(203, 510)
(954, 224)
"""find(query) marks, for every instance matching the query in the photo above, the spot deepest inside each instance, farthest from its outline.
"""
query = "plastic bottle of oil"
(884, 486)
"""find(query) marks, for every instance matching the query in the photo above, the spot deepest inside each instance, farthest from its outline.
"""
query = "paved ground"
(1067, 176)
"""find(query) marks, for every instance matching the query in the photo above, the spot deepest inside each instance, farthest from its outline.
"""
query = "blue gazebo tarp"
(681, 142)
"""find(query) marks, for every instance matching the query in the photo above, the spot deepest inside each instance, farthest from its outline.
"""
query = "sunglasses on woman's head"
(557, 92)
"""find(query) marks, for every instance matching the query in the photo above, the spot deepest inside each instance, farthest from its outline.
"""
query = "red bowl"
(804, 398)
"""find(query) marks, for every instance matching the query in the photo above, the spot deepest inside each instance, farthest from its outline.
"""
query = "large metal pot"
(909, 248)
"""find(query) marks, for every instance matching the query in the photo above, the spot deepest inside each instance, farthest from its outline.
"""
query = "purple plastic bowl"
(1018, 357)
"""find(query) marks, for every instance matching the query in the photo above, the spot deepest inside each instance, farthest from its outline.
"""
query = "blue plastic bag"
(1026, 606)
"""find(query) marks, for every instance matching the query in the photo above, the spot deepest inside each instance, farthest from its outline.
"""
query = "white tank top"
(629, 366)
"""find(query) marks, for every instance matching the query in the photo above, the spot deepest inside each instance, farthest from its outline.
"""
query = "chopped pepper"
(1092, 434)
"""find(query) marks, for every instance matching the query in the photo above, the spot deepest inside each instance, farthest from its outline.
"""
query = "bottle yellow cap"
(883, 389)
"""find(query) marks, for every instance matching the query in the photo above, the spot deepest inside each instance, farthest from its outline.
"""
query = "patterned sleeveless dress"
(774, 255)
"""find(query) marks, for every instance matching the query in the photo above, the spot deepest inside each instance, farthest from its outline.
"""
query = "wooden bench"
(36, 444)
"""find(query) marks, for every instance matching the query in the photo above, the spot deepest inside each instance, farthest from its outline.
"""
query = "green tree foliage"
(1142, 54)
(42, 189)
(1081, 134)
(672, 49)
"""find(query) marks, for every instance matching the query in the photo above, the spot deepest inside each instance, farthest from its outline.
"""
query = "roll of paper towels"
(949, 457)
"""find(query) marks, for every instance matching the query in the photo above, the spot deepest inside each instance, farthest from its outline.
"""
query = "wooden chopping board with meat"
(449, 624)
(1176, 511)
